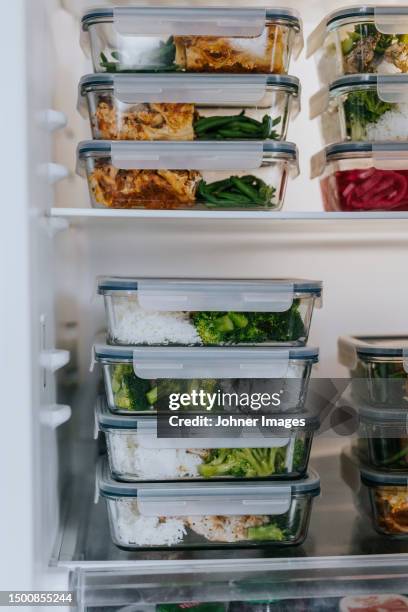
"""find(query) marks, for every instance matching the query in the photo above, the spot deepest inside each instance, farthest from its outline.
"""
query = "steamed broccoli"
(266, 532)
(243, 462)
(249, 327)
(130, 392)
(298, 455)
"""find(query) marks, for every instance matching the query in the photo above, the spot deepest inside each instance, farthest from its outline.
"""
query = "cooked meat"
(145, 121)
(360, 59)
(392, 506)
(397, 54)
(264, 53)
(143, 188)
(224, 528)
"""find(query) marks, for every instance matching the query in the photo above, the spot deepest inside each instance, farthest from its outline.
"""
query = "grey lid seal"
(120, 354)
(110, 487)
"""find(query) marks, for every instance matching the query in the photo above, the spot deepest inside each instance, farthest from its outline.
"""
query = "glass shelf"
(342, 554)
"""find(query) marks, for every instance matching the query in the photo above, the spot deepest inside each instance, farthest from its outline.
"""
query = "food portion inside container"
(366, 39)
(136, 453)
(188, 107)
(208, 313)
(363, 176)
(133, 39)
(378, 366)
(184, 175)
(385, 437)
(389, 501)
(141, 380)
(363, 108)
(202, 515)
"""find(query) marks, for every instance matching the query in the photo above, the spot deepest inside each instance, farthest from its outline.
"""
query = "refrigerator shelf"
(341, 554)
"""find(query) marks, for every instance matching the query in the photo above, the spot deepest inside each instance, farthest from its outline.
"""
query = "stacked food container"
(362, 56)
(189, 108)
(379, 392)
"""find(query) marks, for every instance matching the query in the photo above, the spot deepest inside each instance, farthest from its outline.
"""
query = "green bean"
(245, 188)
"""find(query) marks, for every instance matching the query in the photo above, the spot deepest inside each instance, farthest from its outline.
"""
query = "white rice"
(137, 326)
(129, 458)
(393, 125)
(134, 529)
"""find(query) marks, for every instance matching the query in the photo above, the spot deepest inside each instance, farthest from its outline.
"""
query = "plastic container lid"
(152, 21)
(146, 427)
(368, 348)
(194, 155)
(184, 363)
(147, 423)
(392, 88)
(213, 90)
(200, 498)
(374, 477)
(387, 19)
(108, 284)
(382, 153)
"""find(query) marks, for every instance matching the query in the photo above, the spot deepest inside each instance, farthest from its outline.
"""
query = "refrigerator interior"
(63, 537)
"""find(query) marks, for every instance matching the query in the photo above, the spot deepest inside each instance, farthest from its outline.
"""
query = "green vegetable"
(250, 462)
(236, 126)
(298, 456)
(362, 108)
(244, 191)
(266, 532)
(130, 392)
(363, 34)
(161, 59)
(243, 462)
(249, 327)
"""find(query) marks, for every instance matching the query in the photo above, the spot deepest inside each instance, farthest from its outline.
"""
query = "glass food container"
(158, 39)
(378, 367)
(188, 106)
(361, 39)
(205, 175)
(384, 438)
(207, 515)
(388, 496)
(363, 176)
(136, 453)
(363, 107)
(136, 379)
(186, 312)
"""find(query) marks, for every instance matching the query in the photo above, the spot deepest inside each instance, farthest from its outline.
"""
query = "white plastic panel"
(152, 503)
(180, 156)
(391, 19)
(150, 367)
(213, 296)
(135, 21)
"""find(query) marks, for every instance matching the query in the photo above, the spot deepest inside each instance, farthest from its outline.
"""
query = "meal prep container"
(384, 438)
(379, 495)
(136, 378)
(363, 176)
(363, 107)
(388, 496)
(242, 40)
(137, 454)
(188, 106)
(361, 39)
(184, 175)
(160, 312)
(378, 367)
(207, 515)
